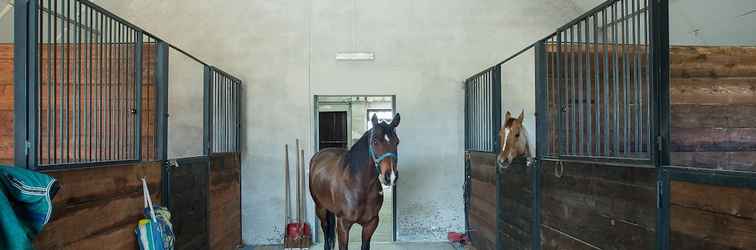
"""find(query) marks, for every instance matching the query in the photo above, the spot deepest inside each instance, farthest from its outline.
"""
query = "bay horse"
(513, 138)
(347, 185)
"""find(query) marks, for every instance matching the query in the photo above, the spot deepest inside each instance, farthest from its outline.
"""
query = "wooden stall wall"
(594, 206)
(713, 126)
(482, 214)
(712, 217)
(713, 107)
(515, 189)
(98, 208)
(225, 201)
(6, 103)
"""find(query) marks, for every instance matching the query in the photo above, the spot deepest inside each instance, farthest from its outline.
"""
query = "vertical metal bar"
(118, 154)
(588, 96)
(573, 93)
(57, 79)
(101, 88)
(496, 107)
(110, 108)
(77, 90)
(138, 106)
(207, 98)
(239, 116)
(638, 82)
(162, 100)
(467, 114)
(559, 92)
(606, 139)
(596, 106)
(626, 79)
(649, 97)
(66, 118)
(21, 61)
(542, 137)
(659, 49)
(616, 76)
(580, 87)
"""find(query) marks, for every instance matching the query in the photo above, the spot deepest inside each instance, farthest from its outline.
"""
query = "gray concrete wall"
(518, 91)
(284, 51)
(185, 83)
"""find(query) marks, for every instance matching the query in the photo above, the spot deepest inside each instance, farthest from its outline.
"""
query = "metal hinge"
(659, 143)
(27, 147)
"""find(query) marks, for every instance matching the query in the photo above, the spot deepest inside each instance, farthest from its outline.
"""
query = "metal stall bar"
(542, 135)
(207, 111)
(26, 82)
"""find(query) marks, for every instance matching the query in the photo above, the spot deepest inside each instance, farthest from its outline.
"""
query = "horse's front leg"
(343, 227)
(367, 232)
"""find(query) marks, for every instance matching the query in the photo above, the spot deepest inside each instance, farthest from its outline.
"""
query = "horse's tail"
(330, 230)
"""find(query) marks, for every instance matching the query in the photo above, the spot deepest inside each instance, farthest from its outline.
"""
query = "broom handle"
(298, 176)
(287, 204)
(302, 190)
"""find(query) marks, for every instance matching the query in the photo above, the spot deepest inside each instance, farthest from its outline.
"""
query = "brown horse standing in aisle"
(346, 185)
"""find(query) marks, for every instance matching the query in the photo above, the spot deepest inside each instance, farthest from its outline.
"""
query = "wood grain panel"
(712, 217)
(599, 205)
(225, 201)
(713, 139)
(516, 205)
(99, 207)
(714, 62)
(483, 200)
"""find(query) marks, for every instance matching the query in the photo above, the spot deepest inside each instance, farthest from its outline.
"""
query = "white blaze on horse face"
(506, 138)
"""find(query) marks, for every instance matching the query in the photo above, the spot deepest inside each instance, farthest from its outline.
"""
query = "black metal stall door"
(188, 201)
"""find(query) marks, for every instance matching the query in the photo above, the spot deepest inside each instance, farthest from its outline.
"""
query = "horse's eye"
(517, 135)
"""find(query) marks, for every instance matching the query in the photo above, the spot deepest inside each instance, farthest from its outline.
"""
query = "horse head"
(513, 139)
(383, 149)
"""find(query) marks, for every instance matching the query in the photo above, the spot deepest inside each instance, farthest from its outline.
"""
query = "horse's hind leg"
(367, 233)
(327, 224)
(343, 228)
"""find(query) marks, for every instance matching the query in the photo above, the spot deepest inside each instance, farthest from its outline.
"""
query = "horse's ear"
(521, 117)
(507, 116)
(395, 121)
(374, 120)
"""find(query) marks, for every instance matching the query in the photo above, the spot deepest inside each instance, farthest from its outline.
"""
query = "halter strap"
(379, 159)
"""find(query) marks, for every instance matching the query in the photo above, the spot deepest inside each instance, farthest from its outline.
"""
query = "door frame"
(316, 148)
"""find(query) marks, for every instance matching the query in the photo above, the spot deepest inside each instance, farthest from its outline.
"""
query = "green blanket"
(25, 206)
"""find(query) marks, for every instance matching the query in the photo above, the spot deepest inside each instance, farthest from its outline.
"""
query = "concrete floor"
(381, 246)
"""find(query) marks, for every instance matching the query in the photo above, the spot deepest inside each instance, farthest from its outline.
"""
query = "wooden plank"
(483, 191)
(706, 226)
(94, 205)
(713, 116)
(483, 166)
(619, 204)
(719, 61)
(741, 161)
(713, 91)
(225, 201)
(552, 239)
(713, 139)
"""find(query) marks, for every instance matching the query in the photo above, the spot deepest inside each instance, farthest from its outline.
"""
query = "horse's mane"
(358, 156)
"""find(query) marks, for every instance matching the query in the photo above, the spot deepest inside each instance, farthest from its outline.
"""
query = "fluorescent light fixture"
(355, 56)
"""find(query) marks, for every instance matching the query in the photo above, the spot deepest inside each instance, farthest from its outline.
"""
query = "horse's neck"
(524, 139)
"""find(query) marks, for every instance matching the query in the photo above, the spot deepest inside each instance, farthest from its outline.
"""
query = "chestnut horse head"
(513, 139)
